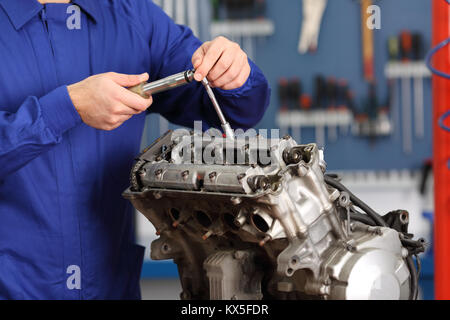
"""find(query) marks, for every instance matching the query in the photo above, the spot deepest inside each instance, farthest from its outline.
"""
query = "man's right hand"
(103, 102)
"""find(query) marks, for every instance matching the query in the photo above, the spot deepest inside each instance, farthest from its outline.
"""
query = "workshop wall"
(339, 55)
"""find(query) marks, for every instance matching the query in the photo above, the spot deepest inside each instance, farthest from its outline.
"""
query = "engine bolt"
(236, 200)
(212, 176)
(157, 195)
(207, 235)
(238, 255)
(264, 241)
(185, 174)
(241, 176)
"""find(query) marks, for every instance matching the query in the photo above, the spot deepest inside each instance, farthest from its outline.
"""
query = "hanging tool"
(372, 112)
(417, 55)
(294, 93)
(312, 17)
(394, 55)
(394, 110)
(406, 115)
(393, 48)
(319, 103)
(406, 54)
(405, 45)
(367, 41)
(341, 99)
(331, 93)
(145, 89)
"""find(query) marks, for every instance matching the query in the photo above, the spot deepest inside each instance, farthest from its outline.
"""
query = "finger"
(209, 60)
(240, 80)
(128, 80)
(124, 118)
(226, 60)
(231, 73)
(121, 109)
(198, 55)
(132, 100)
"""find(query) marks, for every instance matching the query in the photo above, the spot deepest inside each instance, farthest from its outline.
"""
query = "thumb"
(128, 80)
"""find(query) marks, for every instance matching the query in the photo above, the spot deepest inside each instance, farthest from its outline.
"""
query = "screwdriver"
(177, 80)
(405, 45)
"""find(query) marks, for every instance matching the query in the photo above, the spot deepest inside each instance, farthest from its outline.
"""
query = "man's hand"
(223, 62)
(103, 102)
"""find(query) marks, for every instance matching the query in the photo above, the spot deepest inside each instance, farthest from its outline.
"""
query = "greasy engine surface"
(260, 219)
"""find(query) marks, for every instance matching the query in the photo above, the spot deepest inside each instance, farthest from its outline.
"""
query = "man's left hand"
(223, 62)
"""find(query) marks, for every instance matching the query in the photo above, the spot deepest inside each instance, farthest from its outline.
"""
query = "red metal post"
(441, 152)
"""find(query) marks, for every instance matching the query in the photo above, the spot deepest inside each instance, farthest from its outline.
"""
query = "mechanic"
(69, 130)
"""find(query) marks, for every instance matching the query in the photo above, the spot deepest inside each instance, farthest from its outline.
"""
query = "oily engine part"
(258, 218)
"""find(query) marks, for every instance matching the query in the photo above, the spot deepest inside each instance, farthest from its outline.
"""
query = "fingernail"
(196, 63)
(144, 76)
(198, 76)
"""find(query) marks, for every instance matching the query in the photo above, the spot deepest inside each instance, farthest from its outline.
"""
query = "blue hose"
(431, 54)
(442, 119)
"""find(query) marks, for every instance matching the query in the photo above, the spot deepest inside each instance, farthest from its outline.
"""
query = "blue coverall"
(61, 211)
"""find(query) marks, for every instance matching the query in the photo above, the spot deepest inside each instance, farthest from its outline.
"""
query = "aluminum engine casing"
(253, 230)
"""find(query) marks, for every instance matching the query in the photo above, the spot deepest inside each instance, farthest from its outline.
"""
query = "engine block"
(259, 218)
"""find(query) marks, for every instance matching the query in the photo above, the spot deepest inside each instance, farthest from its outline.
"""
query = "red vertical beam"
(441, 152)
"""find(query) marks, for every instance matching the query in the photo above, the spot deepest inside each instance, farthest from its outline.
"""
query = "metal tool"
(367, 43)
(313, 11)
(225, 125)
(406, 115)
(145, 89)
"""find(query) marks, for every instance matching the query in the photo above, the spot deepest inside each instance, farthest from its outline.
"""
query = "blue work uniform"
(65, 230)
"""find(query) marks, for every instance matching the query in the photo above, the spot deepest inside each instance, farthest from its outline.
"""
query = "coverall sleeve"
(172, 47)
(36, 126)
